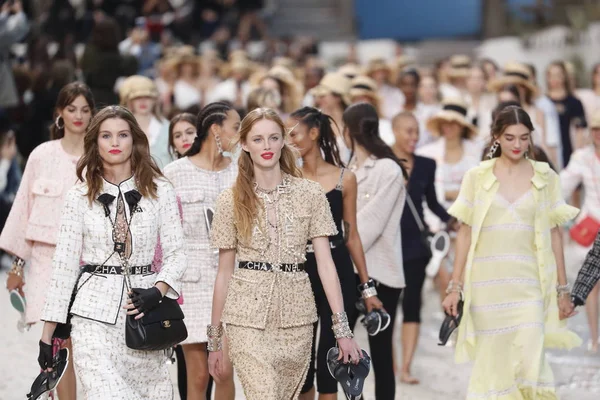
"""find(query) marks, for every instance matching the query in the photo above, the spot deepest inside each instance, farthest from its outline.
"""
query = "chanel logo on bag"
(166, 324)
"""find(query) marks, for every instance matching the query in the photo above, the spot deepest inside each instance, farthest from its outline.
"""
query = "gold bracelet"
(339, 318)
(214, 331)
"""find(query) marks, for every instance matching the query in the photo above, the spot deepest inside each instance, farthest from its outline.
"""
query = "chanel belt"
(265, 266)
(110, 270)
(332, 244)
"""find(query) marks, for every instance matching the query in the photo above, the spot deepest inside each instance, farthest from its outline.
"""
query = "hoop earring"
(493, 149)
(56, 123)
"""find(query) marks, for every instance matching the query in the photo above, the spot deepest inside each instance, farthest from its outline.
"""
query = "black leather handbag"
(159, 329)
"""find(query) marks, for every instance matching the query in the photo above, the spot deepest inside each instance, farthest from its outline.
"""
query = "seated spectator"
(10, 172)
(13, 27)
(139, 45)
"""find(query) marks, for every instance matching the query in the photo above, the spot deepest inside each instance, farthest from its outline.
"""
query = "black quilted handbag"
(159, 329)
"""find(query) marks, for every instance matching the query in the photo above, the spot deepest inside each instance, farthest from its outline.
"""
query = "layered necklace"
(272, 205)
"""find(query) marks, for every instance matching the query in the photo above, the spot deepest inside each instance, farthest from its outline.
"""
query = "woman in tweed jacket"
(110, 225)
(380, 202)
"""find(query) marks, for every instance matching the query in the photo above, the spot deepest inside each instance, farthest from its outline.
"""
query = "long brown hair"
(362, 122)
(508, 115)
(66, 96)
(185, 117)
(563, 68)
(90, 167)
(245, 201)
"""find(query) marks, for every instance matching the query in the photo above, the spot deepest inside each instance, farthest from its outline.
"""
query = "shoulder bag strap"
(414, 212)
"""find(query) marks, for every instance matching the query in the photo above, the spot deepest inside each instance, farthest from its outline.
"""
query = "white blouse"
(186, 95)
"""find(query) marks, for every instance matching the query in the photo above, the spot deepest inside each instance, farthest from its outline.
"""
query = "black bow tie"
(132, 198)
(106, 199)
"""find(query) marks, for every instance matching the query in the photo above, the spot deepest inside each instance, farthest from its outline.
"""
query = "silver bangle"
(339, 318)
(214, 344)
(342, 330)
(369, 292)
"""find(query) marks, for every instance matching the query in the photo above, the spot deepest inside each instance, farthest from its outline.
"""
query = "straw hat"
(335, 83)
(284, 62)
(459, 66)
(377, 64)
(514, 73)
(595, 120)
(350, 70)
(286, 78)
(137, 86)
(453, 110)
(362, 85)
(404, 61)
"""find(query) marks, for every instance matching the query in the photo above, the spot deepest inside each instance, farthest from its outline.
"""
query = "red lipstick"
(516, 152)
(78, 123)
(267, 155)
(115, 151)
(187, 145)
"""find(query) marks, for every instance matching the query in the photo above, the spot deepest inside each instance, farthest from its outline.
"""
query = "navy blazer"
(420, 186)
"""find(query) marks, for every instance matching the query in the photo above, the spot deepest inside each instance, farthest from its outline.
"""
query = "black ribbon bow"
(132, 198)
(106, 199)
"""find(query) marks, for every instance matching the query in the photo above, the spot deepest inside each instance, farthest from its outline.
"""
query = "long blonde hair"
(245, 201)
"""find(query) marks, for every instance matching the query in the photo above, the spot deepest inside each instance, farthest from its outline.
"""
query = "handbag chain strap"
(414, 212)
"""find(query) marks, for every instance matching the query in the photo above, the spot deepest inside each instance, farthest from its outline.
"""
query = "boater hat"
(514, 73)
(335, 83)
(453, 110)
(364, 86)
(459, 66)
(350, 70)
(137, 86)
(377, 64)
(595, 120)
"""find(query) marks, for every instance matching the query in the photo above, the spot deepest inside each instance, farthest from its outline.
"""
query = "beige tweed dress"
(269, 315)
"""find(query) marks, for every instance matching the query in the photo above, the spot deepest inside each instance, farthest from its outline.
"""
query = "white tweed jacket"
(86, 237)
(380, 202)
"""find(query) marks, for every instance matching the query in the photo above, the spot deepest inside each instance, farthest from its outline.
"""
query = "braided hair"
(313, 118)
(213, 113)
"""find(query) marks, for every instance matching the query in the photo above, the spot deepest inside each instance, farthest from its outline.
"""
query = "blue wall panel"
(418, 19)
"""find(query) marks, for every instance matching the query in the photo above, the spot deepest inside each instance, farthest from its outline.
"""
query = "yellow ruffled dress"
(511, 311)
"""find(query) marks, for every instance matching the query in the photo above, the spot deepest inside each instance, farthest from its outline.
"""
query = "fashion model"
(420, 187)
(310, 131)
(140, 95)
(380, 201)
(584, 169)
(266, 303)
(199, 178)
(509, 267)
(109, 229)
(31, 230)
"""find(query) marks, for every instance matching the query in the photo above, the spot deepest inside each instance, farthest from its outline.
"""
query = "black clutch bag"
(159, 329)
